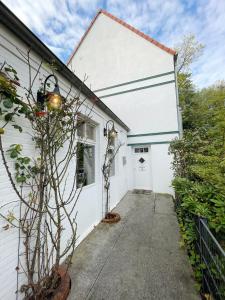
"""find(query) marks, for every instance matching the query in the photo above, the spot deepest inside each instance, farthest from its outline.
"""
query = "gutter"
(179, 114)
(34, 43)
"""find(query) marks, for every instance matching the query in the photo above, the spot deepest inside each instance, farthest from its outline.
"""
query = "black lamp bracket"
(42, 95)
(106, 129)
(47, 78)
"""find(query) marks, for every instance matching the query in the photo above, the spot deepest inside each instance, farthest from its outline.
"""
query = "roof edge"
(138, 32)
(83, 37)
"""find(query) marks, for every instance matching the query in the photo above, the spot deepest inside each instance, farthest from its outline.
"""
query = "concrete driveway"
(137, 258)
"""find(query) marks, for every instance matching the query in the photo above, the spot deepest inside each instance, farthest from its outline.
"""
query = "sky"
(61, 23)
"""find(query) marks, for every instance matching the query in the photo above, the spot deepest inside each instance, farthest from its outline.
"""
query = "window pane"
(90, 132)
(80, 128)
(85, 164)
(141, 150)
(145, 149)
(136, 150)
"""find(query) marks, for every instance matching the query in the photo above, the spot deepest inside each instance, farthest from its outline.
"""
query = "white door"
(142, 168)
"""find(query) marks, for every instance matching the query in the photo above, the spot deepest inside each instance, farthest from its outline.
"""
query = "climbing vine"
(44, 182)
(110, 155)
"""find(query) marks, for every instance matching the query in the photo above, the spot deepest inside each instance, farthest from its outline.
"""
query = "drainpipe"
(179, 115)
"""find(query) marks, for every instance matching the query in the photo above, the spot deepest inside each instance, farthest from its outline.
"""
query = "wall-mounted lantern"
(52, 99)
(110, 132)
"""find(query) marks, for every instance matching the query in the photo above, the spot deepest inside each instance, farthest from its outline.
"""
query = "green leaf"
(13, 154)
(8, 117)
(7, 69)
(10, 70)
(18, 127)
(18, 148)
(20, 178)
(17, 166)
(26, 160)
(8, 103)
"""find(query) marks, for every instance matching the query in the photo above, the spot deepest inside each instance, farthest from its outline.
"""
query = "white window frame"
(87, 141)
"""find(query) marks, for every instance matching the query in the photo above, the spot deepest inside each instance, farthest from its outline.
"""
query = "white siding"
(111, 53)
(90, 204)
(161, 165)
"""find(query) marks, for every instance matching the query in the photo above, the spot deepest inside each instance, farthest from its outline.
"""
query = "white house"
(135, 76)
(15, 41)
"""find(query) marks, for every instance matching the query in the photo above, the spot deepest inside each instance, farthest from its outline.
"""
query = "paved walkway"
(137, 258)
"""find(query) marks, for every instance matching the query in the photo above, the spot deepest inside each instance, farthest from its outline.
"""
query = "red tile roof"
(143, 35)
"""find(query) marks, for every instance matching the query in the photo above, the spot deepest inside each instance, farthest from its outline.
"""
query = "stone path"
(137, 258)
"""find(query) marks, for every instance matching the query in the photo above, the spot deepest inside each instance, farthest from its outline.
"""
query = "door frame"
(134, 155)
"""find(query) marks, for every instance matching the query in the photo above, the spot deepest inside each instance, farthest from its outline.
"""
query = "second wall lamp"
(110, 132)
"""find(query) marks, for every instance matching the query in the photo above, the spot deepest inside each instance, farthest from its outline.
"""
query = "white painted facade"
(110, 55)
(136, 79)
(91, 203)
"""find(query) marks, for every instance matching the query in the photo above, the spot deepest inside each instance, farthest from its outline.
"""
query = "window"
(85, 164)
(85, 129)
(141, 150)
(85, 152)
(90, 131)
(80, 128)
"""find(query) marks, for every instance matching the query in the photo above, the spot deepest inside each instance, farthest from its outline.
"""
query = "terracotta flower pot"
(111, 217)
(63, 290)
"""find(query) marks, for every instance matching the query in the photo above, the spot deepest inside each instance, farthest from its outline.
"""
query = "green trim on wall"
(150, 143)
(138, 89)
(153, 133)
(134, 81)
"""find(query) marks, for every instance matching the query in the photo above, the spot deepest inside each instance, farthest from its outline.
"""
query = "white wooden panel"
(90, 204)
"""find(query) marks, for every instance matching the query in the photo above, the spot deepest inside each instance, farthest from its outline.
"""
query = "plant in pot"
(44, 182)
(109, 157)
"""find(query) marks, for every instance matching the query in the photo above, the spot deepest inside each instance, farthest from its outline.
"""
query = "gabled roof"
(141, 34)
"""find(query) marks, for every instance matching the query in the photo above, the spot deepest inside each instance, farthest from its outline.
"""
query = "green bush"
(199, 166)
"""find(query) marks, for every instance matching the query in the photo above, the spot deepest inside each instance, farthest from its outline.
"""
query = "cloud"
(60, 25)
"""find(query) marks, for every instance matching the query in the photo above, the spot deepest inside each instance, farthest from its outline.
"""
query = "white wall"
(90, 204)
(146, 111)
(161, 167)
(116, 61)
(118, 57)
(111, 53)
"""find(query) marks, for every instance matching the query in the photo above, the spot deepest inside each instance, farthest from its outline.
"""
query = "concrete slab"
(137, 258)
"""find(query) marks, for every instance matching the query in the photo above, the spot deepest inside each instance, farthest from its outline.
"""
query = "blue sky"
(61, 23)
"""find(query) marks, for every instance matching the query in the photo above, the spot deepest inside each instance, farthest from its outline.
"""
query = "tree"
(199, 157)
(186, 90)
(189, 49)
